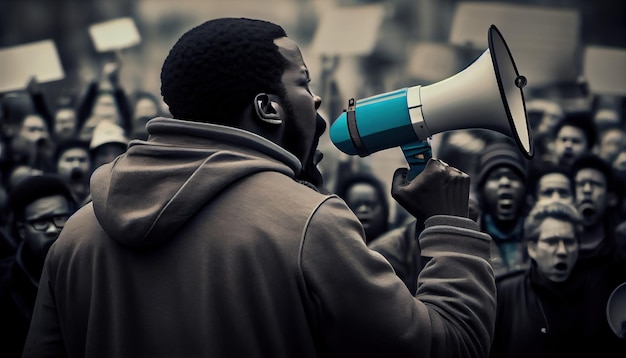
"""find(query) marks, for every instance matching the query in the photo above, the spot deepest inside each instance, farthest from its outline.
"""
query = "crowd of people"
(49, 149)
(209, 230)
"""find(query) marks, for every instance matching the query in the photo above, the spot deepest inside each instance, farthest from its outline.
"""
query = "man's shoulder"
(284, 188)
(511, 278)
(83, 223)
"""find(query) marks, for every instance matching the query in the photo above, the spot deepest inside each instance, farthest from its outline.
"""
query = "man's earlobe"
(266, 109)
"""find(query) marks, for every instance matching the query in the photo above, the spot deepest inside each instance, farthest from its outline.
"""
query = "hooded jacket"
(199, 242)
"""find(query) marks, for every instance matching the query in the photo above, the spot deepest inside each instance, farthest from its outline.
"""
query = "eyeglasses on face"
(42, 224)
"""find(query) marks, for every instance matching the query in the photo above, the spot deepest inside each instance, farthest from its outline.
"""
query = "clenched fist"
(438, 190)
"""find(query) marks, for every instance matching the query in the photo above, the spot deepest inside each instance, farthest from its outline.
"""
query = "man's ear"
(267, 110)
(611, 199)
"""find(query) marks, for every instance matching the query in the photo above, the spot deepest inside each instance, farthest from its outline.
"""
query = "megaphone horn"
(487, 94)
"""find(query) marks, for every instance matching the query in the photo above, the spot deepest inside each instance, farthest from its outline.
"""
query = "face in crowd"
(74, 164)
(105, 108)
(555, 187)
(553, 233)
(64, 123)
(365, 201)
(34, 129)
(43, 220)
(556, 249)
(592, 196)
(303, 127)
(570, 144)
(503, 193)
(612, 142)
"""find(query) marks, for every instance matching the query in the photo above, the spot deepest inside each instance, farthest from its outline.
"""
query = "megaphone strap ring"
(353, 130)
(416, 114)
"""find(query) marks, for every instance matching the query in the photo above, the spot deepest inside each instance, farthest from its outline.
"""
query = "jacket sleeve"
(361, 308)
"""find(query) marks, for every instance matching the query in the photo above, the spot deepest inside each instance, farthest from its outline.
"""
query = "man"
(612, 139)
(74, 166)
(104, 100)
(574, 136)
(32, 146)
(210, 239)
(501, 194)
(554, 184)
(65, 123)
(366, 196)
(599, 264)
(596, 196)
(40, 206)
(540, 310)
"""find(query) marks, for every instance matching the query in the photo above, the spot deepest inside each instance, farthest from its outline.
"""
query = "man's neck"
(592, 237)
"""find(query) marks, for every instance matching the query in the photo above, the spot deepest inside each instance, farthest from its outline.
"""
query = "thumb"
(399, 179)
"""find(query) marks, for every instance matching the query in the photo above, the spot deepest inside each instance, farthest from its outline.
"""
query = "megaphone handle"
(417, 155)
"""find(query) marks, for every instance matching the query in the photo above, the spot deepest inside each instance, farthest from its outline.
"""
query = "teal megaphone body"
(487, 94)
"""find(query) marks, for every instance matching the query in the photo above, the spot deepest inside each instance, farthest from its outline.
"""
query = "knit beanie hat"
(500, 153)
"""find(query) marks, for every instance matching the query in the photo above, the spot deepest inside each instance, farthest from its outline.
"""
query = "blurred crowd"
(557, 221)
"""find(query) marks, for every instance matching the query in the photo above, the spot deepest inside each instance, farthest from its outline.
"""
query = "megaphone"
(616, 311)
(486, 94)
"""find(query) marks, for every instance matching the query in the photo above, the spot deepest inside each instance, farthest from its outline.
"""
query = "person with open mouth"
(539, 308)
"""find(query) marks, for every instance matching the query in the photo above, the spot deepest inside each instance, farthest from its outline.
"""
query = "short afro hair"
(346, 183)
(36, 187)
(215, 69)
(549, 168)
(592, 161)
(582, 120)
(67, 144)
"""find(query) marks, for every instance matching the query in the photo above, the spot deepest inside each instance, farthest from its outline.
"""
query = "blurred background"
(383, 65)
(571, 51)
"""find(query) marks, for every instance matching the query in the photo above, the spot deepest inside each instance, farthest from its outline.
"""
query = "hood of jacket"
(148, 193)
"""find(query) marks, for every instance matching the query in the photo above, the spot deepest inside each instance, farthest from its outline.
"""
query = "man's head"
(552, 231)
(244, 73)
(65, 122)
(611, 142)
(596, 188)
(72, 159)
(365, 195)
(501, 180)
(40, 206)
(547, 114)
(105, 107)
(553, 183)
(34, 129)
(216, 69)
(574, 136)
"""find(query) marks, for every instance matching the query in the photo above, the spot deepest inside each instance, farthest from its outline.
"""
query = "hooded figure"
(210, 239)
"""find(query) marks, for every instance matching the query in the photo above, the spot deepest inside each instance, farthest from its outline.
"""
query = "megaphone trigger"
(417, 155)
